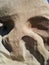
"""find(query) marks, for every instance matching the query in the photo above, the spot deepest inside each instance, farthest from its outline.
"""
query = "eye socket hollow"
(39, 22)
(7, 24)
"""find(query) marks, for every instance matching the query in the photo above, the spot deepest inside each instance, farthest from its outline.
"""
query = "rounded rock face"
(24, 32)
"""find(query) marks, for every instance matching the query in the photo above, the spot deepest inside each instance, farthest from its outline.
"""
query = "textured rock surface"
(24, 32)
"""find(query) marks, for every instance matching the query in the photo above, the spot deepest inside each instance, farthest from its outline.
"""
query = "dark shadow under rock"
(32, 47)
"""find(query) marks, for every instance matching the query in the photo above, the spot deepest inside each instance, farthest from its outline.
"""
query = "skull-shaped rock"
(25, 30)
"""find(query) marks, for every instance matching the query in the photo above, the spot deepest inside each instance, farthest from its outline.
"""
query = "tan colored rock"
(21, 18)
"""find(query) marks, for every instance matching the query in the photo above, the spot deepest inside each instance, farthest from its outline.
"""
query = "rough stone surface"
(24, 32)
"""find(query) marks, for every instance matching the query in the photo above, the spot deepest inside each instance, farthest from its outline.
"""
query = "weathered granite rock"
(24, 32)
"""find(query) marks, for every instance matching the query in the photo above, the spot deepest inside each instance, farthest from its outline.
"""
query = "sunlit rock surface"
(28, 9)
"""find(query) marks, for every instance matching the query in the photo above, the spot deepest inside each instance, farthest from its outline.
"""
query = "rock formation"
(24, 32)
